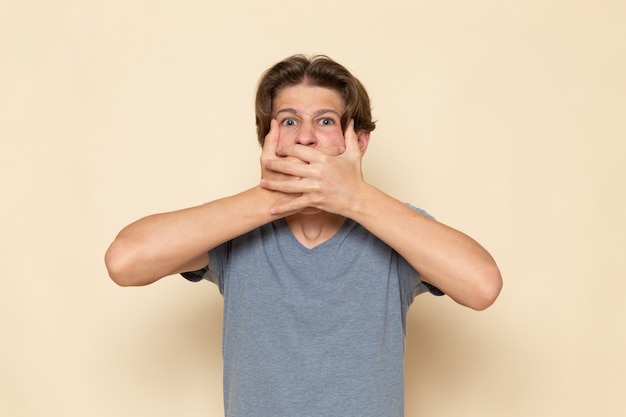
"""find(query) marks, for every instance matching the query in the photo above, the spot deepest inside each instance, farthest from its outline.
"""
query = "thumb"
(351, 139)
(271, 141)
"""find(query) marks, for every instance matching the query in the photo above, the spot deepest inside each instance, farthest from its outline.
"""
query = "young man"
(317, 267)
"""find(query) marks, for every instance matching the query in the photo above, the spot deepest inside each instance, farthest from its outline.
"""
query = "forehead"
(307, 99)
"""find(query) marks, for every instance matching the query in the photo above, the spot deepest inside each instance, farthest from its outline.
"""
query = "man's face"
(310, 116)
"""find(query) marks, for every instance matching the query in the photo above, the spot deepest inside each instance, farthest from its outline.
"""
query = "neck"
(314, 229)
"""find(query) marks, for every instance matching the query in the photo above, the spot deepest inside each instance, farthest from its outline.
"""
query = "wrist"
(364, 202)
(265, 199)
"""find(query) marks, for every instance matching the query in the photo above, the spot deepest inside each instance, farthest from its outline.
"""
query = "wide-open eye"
(326, 121)
(289, 121)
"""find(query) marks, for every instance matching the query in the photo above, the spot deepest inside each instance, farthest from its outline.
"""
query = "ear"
(363, 137)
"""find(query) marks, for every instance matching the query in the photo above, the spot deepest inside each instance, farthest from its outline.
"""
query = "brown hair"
(319, 71)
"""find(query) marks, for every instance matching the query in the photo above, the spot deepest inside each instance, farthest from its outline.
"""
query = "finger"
(334, 150)
(290, 185)
(307, 154)
(287, 165)
(299, 152)
(291, 207)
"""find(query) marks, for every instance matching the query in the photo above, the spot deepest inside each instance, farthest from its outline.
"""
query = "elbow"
(119, 264)
(488, 287)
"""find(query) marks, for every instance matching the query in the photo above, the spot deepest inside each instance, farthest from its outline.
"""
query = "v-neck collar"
(341, 232)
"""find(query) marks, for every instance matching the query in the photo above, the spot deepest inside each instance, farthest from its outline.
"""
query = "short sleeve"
(213, 271)
(195, 276)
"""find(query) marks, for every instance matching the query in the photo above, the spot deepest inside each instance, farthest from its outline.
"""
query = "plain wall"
(506, 120)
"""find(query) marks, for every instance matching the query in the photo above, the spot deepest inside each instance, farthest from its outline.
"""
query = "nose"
(306, 135)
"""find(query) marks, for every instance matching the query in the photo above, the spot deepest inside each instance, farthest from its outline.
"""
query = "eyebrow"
(315, 114)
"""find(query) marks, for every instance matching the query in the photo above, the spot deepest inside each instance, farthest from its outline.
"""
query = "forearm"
(445, 257)
(169, 243)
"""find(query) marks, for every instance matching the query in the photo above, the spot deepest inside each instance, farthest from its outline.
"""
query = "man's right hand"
(269, 153)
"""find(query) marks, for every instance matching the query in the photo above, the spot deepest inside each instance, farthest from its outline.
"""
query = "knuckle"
(325, 158)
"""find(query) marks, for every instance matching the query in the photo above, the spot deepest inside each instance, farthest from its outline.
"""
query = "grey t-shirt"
(312, 332)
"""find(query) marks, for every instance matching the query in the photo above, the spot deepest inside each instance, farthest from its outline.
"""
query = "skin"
(311, 175)
(307, 117)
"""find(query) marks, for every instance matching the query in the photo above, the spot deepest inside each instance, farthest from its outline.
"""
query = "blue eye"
(327, 121)
(289, 122)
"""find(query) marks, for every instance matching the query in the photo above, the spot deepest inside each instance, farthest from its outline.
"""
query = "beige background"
(503, 119)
